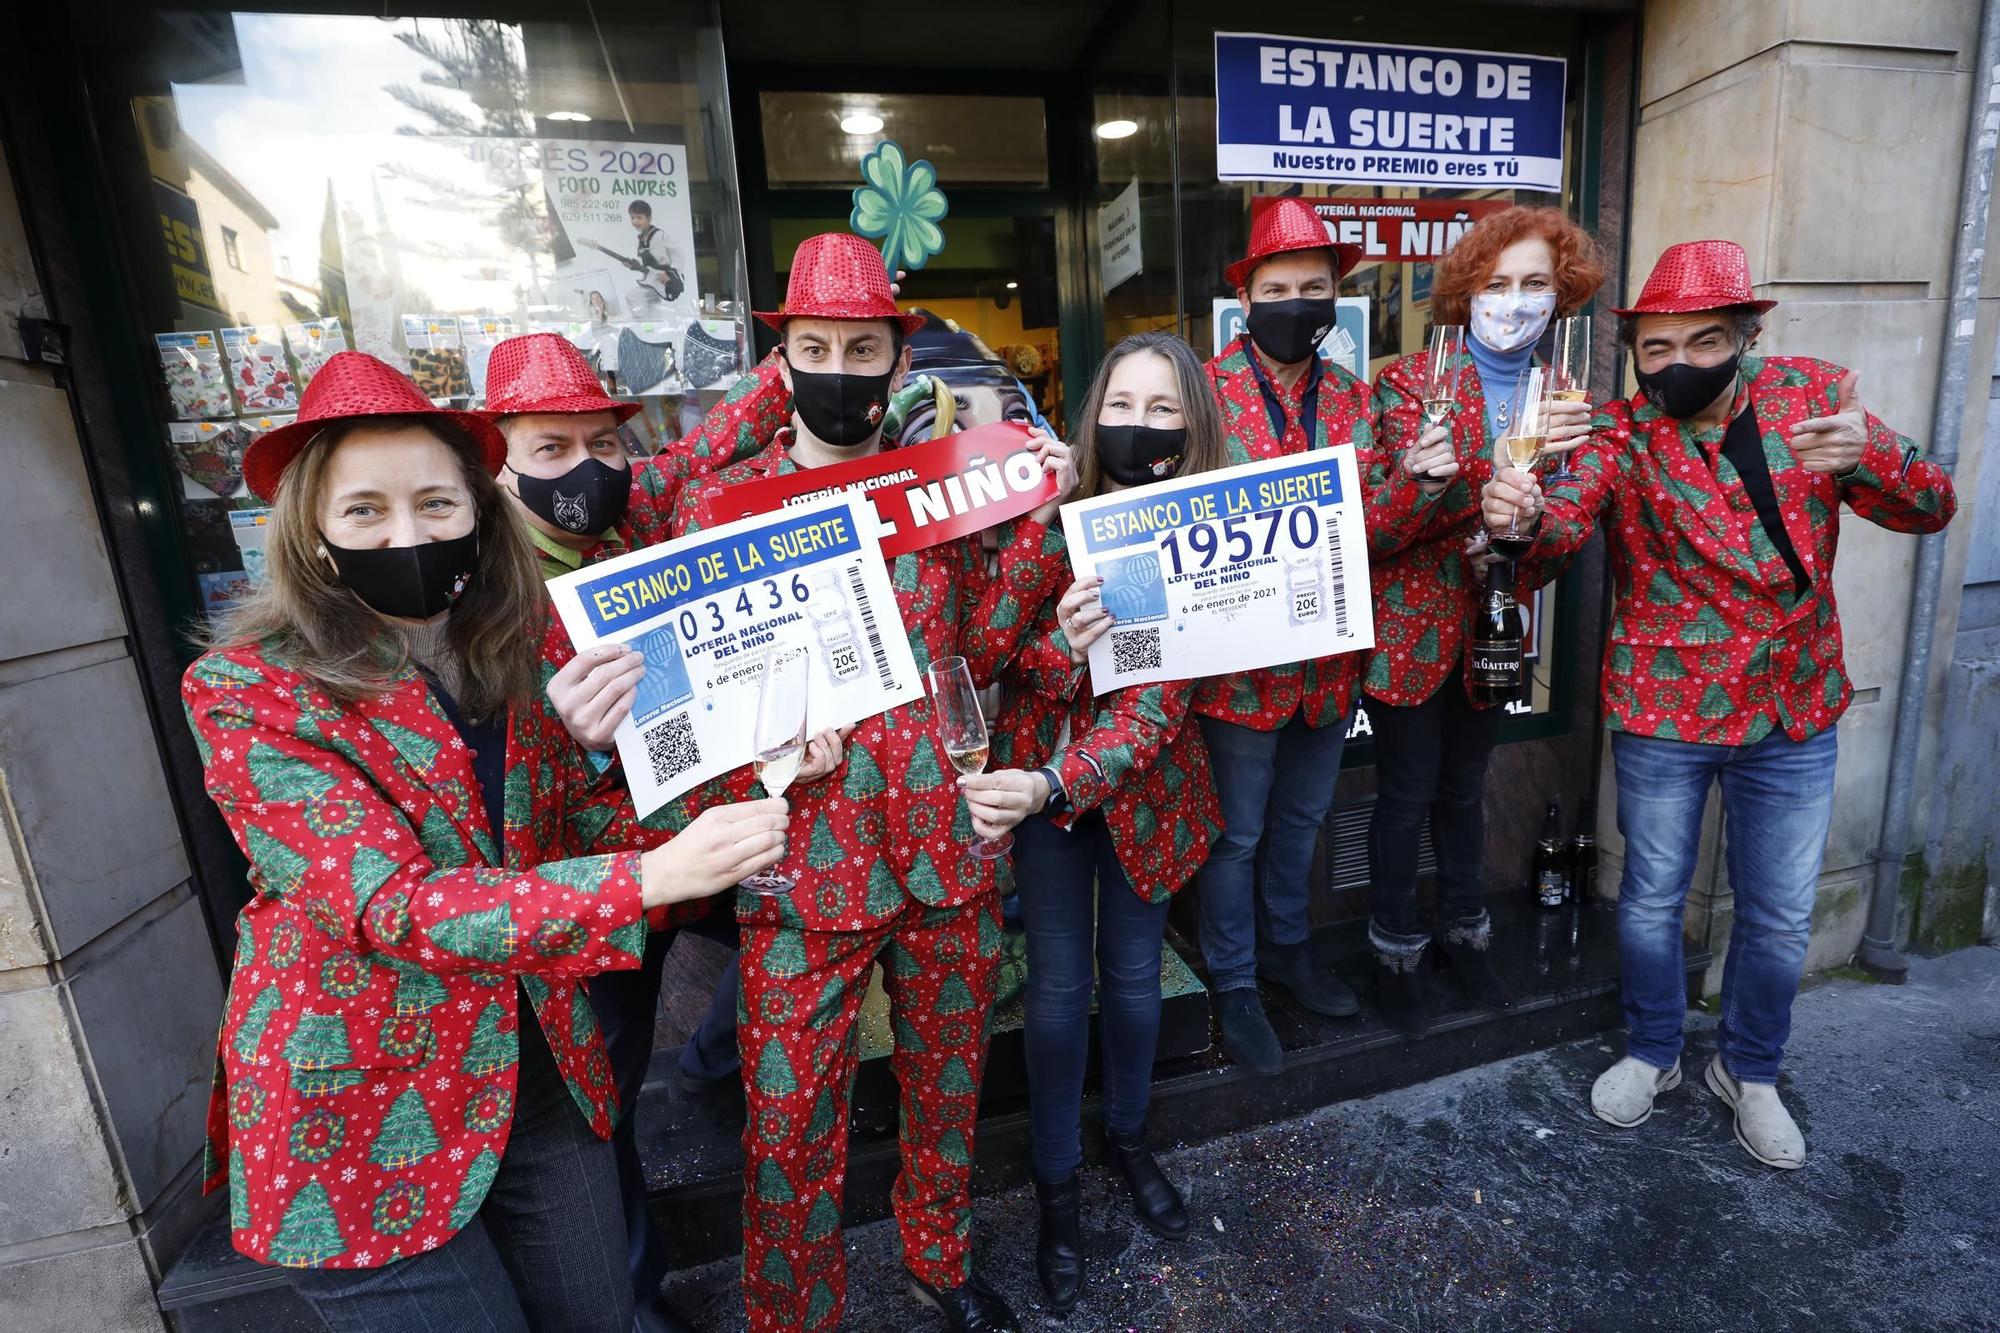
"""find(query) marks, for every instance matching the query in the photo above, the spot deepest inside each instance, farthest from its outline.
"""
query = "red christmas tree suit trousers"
(800, 1001)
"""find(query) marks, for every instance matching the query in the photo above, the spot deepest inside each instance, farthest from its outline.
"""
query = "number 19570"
(1238, 538)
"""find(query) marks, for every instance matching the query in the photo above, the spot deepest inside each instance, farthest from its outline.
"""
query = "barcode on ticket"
(1339, 570)
(869, 629)
(1135, 650)
(671, 747)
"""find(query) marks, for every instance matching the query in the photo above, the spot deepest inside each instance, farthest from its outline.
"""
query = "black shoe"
(1154, 1197)
(1405, 1002)
(708, 1087)
(970, 1307)
(1472, 966)
(1246, 1034)
(1292, 968)
(1059, 1245)
(656, 1316)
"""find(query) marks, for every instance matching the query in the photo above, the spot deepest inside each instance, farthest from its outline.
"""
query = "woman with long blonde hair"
(413, 1100)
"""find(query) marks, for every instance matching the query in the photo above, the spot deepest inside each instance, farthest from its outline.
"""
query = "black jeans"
(627, 1004)
(546, 1252)
(1429, 758)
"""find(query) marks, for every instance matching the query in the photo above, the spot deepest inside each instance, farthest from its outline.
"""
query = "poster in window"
(621, 221)
(544, 231)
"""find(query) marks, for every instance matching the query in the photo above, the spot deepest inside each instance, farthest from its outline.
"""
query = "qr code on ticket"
(1135, 650)
(672, 747)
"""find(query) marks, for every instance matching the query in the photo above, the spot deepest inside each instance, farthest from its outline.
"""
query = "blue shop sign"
(1348, 113)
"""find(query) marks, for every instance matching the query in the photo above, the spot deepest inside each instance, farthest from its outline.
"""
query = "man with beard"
(1718, 488)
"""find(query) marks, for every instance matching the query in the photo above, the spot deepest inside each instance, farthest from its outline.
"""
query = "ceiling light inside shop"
(861, 122)
(566, 115)
(1117, 129)
(1012, 286)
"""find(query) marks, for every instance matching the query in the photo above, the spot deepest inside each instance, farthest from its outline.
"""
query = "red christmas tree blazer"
(366, 1061)
(1321, 690)
(1709, 641)
(889, 826)
(1134, 753)
(1425, 590)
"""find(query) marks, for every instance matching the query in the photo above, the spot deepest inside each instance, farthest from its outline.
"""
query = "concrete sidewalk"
(1494, 1200)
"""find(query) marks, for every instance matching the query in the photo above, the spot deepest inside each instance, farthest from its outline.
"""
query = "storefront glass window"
(1132, 134)
(420, 189)
(1215, 215)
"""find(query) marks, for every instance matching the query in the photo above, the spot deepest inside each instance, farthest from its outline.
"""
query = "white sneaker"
(1763, 1126)
(1623, 1094)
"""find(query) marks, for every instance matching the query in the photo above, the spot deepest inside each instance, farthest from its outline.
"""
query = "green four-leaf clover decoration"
(900, 206)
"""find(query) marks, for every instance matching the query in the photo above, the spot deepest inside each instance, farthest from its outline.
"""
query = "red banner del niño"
(924, 494)
(1396, 231)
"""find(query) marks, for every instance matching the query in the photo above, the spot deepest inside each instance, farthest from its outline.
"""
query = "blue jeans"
(1777, 802)
(1055, 871)
(546, 1250)
(1275, 788)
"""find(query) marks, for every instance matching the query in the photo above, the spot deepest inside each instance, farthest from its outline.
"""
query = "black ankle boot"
(1399, 981)
(1465, 944)
(1405, 1000)
(1154, 1197)
(970, 1307)
(1247, 1037)
(1059, 1246)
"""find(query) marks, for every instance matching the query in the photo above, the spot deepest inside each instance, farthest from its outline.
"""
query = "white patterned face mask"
(1509, 321)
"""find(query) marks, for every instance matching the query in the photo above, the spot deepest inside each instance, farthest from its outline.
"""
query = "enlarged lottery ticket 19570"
(1226, 571)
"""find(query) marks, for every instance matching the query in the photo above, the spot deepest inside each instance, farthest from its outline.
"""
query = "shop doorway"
(1013, 271)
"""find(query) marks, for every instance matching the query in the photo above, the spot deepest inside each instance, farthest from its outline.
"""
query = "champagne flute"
(1447, 346)
(962, 731)
(1527, 430)
(780, 739)
(1569, 375)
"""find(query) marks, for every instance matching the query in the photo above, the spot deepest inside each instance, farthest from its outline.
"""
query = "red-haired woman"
(1506, 278)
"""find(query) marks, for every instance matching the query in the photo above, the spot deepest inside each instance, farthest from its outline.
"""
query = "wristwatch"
(1058, 802)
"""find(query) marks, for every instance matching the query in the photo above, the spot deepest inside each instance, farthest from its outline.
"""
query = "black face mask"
(1681, 390)
(589, 499)
(840, 408)
(1289, 331)
(409, 582)
(1135, 455)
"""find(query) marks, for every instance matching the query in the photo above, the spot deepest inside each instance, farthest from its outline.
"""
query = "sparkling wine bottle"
(1496, 640)
(1551, 884)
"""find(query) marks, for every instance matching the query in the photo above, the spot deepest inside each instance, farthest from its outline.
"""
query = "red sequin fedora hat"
(349, 387)
(837, 275)
(1290, 224)
(544, 372)
(1697, 275)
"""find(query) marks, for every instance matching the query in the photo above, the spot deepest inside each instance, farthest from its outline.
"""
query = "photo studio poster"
(527, 227)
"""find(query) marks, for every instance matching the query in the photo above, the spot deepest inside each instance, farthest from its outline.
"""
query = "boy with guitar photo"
(659, 280)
